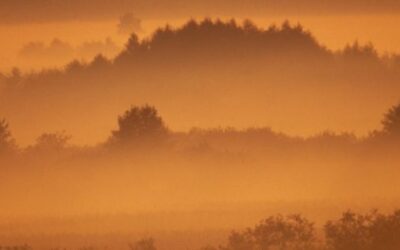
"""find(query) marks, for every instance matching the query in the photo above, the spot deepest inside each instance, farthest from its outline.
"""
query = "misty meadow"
(214, 134)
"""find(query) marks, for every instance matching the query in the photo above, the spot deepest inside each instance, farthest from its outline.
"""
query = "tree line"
(142, 126)
(212, 41)
(352, 231)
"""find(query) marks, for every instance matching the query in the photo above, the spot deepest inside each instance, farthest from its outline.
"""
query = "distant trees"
(142, 126)
(351, 232)
(133, 43)
(390, 131)
(364, 52)
(208, 248)
(372, 231)
(100, 62)
(285, 233)
(16, 247)
(292, 232)
(240, 241)
(232, 54)
(144, 244)
(224, 40)
(139, 125)
(129, 23)
(12, 79)
(74, 67)
(52, 141)
(6, 140)
(391, 121)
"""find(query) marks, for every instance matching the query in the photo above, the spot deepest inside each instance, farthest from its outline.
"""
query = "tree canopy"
(144, 244)
(391, 121)
(139, 124)
(6, 140)
(276, 232)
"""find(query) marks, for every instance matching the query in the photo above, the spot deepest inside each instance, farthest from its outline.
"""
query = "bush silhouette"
(391, 121)
(144, 244)
(51, 142)
(351, 232)
(292, 233)
(139, 125)
(240, 241)
(373, 231)
(6, 140)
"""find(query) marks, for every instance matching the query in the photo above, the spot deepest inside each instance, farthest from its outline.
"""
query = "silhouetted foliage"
(139, 125)
(373, 231)
(16, 247)
(59, 52)
(128, 24)
(224, 39)
(144, 244)
(286, 233)
(209, 57)
(100, 63)
(351, 232)
(293, 232)
(133, 44)
(74, 67)
(361, 52)
(6, 141)
(52, 141)
(391, 121)
(208, 248)
(240, 241)
(57, 49)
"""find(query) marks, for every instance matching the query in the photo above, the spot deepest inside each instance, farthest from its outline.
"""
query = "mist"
(145, 125)
(263, 66)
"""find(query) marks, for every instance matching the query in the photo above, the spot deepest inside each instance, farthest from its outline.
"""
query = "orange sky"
(250, 121)
(331, 30)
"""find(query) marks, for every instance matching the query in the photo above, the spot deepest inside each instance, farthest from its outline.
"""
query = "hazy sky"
(334, 31)
(50, 10)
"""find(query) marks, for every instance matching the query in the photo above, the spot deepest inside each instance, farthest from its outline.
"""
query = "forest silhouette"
(141, 125)
(198, 130)
(58, 52)
(352, 231)
(142, 145)
(202, 61)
